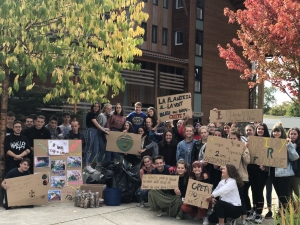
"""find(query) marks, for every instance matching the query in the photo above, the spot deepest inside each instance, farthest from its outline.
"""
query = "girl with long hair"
(197, 172)
(229, 203)
(171, 202)
(294, 135)
(116, 121)
(282, 177)
(168, 147)
(127, 127)
(151, 113)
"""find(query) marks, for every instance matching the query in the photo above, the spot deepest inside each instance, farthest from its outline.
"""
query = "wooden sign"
(123, 142)
(222, 151)
(28, 190)
(268, 151)
(174, 106)
(236, 115)
(158, 181)
(196, 193)
(62, 159)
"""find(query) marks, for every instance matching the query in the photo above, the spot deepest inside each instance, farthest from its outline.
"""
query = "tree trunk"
(4, 104)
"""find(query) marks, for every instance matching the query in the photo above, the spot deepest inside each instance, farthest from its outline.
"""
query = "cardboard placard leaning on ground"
(27, 190)
(157, 181)
(123, 142)
(196, 193)
(221, 151)
(267, 151)
(174, 107)
(236, 115)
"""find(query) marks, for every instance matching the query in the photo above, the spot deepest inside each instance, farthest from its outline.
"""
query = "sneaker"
(98, 167)
(259, 219)
(269, 215)
(205, 221)
(89, 169)
(142, 204)
(178, 217)
(159, 213)
(244, 222)
(251, 215)
(232, 222)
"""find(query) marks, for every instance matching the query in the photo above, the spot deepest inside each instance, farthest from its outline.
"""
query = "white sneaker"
(251, 215)
(89, 169)
(259, 219)
(205, 221)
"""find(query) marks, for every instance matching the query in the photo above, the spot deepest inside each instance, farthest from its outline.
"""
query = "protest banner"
(268, 151)
(222, 151)
(62, 159)
(124, 142)
(157, 181)
(174, 107)
(196, 193)
(236, 115)
(28, 190)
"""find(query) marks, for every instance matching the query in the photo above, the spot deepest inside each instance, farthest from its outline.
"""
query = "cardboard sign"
(62, 159)
(174, 106)
(222, 151)
(124, 142)
(268, 151)
(236, 115)
(27, 190)
(196, 193)
(158, 181)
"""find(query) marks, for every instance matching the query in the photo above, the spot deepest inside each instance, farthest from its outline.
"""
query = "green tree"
(279, 110)
(293, 110)
(96, 39)
(269, 98)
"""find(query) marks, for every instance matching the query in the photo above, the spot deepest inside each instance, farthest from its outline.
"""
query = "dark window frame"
(176, 37)
(165, 4)
(144, 26)
(165, 40)
(154, 38)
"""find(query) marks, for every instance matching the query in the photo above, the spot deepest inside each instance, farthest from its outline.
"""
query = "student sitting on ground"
(16, 172)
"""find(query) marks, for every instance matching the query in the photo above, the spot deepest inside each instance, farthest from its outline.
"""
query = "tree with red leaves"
(268, 28)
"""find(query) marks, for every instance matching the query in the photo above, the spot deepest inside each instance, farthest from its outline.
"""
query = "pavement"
(68, 214)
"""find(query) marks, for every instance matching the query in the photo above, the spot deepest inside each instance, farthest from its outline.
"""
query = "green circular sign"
(124, 142)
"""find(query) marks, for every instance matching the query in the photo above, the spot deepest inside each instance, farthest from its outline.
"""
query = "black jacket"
(196, 150)
(71, 136)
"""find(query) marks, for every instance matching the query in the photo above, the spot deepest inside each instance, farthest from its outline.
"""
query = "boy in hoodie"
(137, 117)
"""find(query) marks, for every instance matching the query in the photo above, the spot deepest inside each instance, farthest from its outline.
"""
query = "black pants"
(224, 210)
(257, 180)
(243, 198)
(282, 187)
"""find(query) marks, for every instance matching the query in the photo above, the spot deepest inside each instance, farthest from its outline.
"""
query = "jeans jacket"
(292, 156)
(183, 152)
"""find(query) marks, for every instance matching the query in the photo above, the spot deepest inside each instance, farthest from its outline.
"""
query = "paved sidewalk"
(67, 214)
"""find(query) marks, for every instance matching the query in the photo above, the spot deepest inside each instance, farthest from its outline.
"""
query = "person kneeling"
(229, 203)
(16, 172)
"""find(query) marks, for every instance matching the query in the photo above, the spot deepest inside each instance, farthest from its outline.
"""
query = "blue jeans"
(92, 144)
(144, 195)
(110, 156)
(102, 146)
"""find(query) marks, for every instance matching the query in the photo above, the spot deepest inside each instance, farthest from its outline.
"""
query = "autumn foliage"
(267, 28)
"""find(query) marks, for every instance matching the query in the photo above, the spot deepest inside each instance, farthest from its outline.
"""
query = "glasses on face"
(211, 126)
(17, 127)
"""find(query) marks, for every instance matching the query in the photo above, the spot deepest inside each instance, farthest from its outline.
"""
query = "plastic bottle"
(76, 197)
(97, 199)
(92, 201)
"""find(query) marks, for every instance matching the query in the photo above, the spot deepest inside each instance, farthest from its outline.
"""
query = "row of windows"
(165, 3)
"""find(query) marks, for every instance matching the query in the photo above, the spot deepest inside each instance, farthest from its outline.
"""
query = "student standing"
(10, 118)
(65, 126)
(151, 113)
(184, 148)
(116, 120)
(137, 117)
(55, 130)
(167, 148)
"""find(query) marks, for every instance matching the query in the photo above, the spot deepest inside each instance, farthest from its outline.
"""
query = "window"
(179, 4)
(145, 0)
(178, 37)
(165, 36)
(154, 34)
(155, 2)
(199, 15)
(199, 42)
(144, 26)
(166, 4)
(198, 79)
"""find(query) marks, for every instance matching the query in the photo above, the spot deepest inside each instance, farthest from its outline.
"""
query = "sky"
(279, 96)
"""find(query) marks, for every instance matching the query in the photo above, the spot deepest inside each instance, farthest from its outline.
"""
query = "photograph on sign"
(74, 176)
(236, 115)
(123, 142)
(58, 165)
(174, 106)
(158, 181)
(222, 151)
(58, 181)
(268, 151)
(42, 161)
(58, 147)
(196, 193)
(74, 161)
(27, 190)
(54, 195)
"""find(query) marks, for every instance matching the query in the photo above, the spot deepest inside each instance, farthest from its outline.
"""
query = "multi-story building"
(180, 55)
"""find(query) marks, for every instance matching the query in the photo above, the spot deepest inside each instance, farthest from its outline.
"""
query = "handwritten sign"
(58, 147)
(157, 181)
(221, 151)
(174, 106)
(236, 115)
(27, 190)
(268, 151)
(123, 142)
(196, 193)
